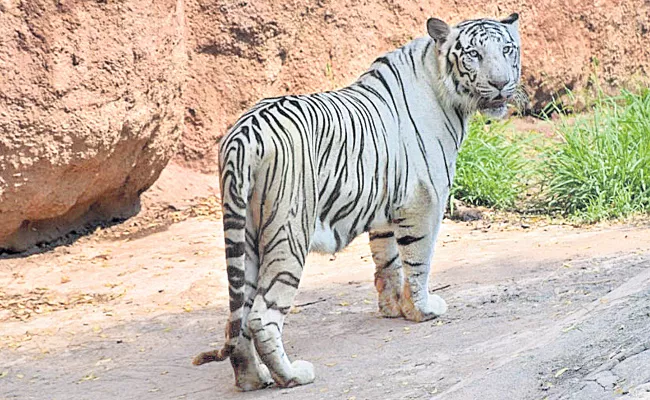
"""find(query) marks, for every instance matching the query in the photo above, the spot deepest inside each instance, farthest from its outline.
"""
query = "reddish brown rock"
(90, 110)
(242, 51)
(90, 91)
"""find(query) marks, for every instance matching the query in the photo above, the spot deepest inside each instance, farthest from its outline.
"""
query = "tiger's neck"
(411, 83)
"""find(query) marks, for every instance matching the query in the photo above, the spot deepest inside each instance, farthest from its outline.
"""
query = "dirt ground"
(537, 310)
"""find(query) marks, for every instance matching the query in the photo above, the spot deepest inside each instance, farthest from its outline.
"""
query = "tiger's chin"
(494, 108)
(498, 112)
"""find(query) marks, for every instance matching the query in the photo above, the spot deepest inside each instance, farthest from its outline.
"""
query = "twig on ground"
(440, 288)
(310, 303)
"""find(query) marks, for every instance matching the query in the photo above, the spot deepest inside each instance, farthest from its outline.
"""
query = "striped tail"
(235, 184)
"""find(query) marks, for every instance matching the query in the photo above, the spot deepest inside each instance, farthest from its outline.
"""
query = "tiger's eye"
(507, 50)
(474, 54)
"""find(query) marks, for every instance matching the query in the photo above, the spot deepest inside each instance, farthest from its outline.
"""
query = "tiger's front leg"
(416, 230)
(389, 277)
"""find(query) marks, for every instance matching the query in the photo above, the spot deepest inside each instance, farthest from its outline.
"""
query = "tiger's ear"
(438, 29)
(511, 19)
(512, 23)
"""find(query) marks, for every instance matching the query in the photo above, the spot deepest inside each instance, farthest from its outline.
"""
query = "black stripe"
(229, 224)
(444, 159)
(234, 327)
(236, 300)
(235, 276)
(234, 249)
(381, 235)
(408, 239)
(390, 262)
(414, 264)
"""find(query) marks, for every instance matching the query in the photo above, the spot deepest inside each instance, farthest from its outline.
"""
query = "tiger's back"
(348, 141)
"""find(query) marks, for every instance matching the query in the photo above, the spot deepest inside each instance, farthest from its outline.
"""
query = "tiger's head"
(479, 62)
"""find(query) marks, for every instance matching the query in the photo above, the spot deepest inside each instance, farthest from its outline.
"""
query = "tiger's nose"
(499, 84)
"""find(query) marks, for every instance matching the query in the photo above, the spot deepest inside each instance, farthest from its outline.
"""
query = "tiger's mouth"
(494, 107)
(497, 101)
(495, 104)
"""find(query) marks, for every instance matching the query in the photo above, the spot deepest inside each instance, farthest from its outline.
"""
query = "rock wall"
(242, 51)
(90, 110)
(93, 97)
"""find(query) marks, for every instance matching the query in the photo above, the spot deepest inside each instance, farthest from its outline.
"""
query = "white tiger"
(312, 172)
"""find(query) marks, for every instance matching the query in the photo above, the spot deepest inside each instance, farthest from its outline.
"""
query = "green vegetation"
(602, 168)
(489, 167)
(597, 166)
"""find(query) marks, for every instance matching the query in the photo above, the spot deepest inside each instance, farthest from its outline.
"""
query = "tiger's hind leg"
(271, 305)
(280, 271)
(389, 278)
(250, 371)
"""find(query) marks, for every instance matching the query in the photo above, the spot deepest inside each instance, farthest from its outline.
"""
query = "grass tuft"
(489, 167)
(601, 169)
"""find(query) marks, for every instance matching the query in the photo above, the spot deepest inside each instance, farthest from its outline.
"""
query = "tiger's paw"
(254, 379)
(390, 309)
(388, 301)
(302, 372)
(434, 307)
(389, 293)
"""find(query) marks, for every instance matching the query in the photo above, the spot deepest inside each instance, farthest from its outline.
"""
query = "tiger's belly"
(329, 240)
(323, 239)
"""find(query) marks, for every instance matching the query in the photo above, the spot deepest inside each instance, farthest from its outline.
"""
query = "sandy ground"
(548, 311)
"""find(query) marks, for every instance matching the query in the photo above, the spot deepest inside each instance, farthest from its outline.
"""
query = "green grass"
(601, 169)
(489, 167)
(596, 167)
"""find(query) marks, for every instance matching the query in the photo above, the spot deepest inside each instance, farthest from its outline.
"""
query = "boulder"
(90, 111)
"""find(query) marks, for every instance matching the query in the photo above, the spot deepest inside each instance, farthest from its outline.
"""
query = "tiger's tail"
(234, 166)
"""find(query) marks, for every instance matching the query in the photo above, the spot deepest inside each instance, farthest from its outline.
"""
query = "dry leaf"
(90, 377)
(23, 306)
